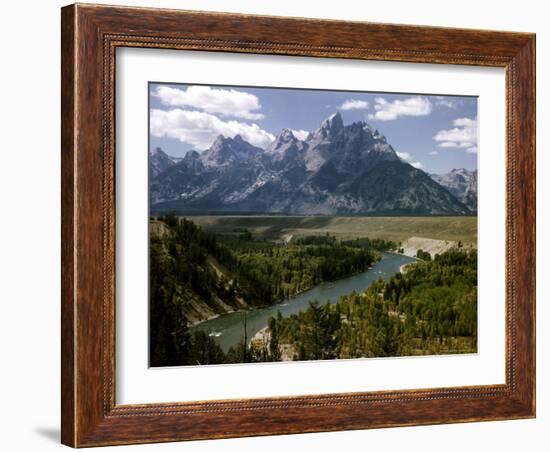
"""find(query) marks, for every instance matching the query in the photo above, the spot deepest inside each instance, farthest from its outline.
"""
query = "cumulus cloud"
(390, 111)
(227, 102)
(442, 101)
(354, 104)
(408, 158)
(463, 135)
(200, 129)
(300, 134)
(403, 155)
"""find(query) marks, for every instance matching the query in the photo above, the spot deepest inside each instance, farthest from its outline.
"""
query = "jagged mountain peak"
(222, 140)
(461, 172)
(286, 136)
(456, 175)
(330, 126)
(286, 147)
(227, 150)
(458, 171)
(159, 161)
(462, 183)
(157, 151)
(219, 142)
(346, 146)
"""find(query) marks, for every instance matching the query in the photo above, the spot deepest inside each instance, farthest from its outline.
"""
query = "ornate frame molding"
(90, 37)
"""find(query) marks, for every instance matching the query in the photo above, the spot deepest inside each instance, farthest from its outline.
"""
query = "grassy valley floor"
(455, 229)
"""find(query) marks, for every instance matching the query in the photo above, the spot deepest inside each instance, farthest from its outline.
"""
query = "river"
(228, 330)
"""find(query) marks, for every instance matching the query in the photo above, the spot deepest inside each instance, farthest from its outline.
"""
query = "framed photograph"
(281, 225)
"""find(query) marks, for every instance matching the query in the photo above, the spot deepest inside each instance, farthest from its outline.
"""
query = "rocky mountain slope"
(208, 287)
(462, 184)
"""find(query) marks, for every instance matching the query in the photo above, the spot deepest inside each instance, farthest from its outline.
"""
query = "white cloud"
(403, 155)
(300, 134)
(389, 111)
(463, 135)
(354, 104)
(201, 129)
(408, 158)
(465, 122)
(434, 153)
(228, 102)
(442, 101)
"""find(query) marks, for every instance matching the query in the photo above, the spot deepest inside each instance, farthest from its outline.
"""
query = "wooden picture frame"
(90, 36)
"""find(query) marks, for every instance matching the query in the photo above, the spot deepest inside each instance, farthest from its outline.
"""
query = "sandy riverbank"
(433, 246)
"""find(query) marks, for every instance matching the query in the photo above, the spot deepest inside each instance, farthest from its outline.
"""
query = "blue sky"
(435, 133)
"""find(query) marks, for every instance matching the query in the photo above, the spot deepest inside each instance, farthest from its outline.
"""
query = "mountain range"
(462, 184)
(337, 170)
